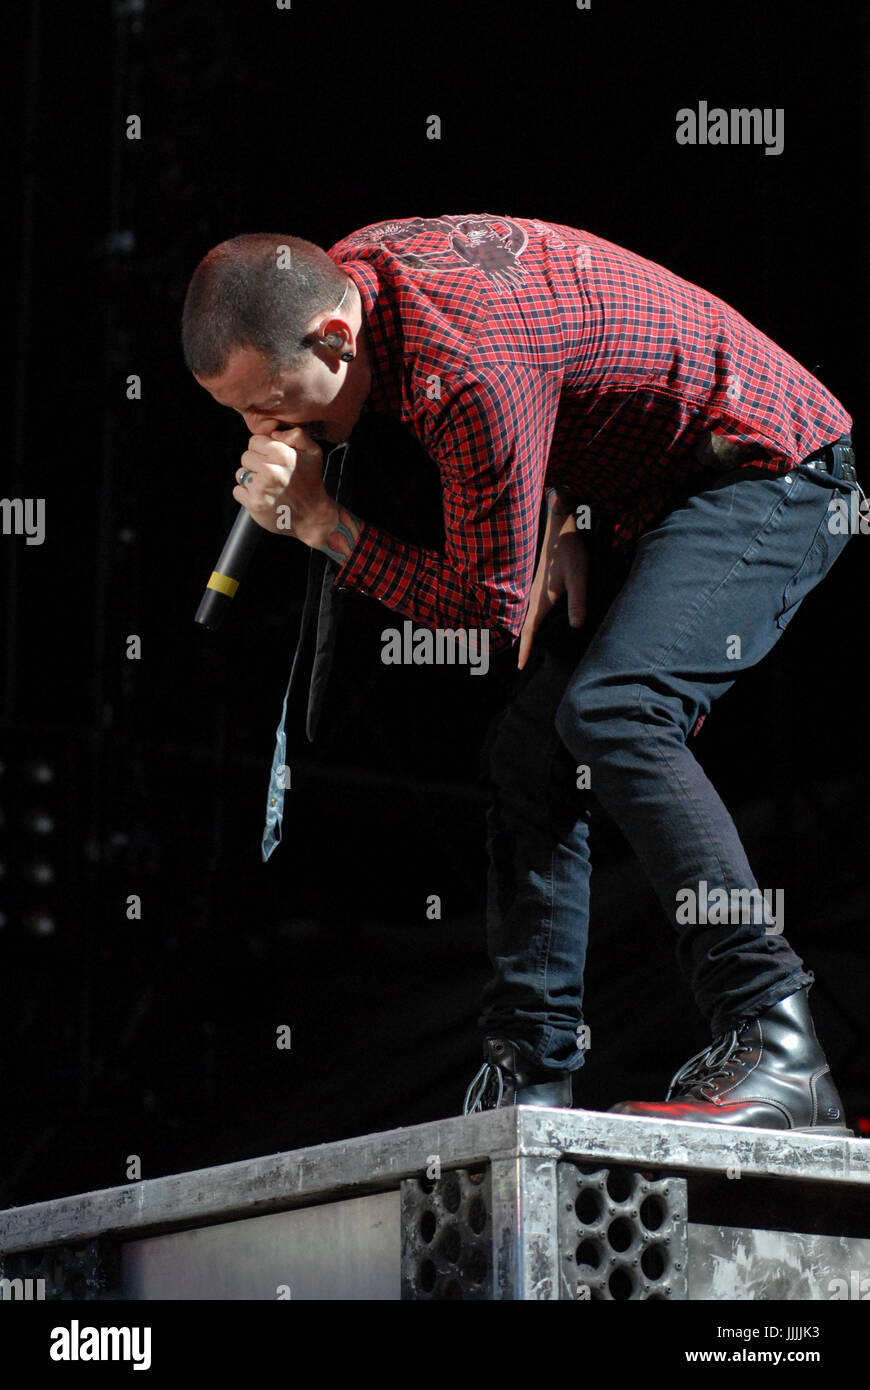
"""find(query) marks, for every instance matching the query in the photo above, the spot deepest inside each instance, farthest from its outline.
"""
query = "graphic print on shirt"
(483, 242)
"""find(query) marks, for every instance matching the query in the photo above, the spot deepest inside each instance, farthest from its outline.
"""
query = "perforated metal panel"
(86, 1271)
(622, 1234)
(447, 1236)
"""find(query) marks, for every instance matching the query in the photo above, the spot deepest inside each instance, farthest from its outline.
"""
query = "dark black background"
(157, 1037)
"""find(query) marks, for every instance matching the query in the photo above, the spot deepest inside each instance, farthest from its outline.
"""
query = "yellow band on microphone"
(223, 583)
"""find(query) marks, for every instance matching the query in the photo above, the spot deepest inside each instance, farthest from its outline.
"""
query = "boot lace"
(483, 1082)
(708, 1064)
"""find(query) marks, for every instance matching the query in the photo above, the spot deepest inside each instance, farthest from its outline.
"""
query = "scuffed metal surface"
(730, 1263)
(592, 1135)
(523, 1150)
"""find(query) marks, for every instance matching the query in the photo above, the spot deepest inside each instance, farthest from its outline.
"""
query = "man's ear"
(336, 334)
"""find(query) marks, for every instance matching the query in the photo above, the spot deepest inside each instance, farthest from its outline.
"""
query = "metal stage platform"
(519, 1203)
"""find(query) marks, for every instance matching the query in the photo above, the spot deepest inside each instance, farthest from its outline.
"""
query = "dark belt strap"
(837, 459)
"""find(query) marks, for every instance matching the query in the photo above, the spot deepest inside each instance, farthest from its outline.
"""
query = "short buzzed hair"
(257, 291)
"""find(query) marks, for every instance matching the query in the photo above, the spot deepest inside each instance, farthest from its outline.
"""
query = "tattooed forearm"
(342, 538)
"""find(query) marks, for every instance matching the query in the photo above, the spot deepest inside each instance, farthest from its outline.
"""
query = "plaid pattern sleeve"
(489, 433)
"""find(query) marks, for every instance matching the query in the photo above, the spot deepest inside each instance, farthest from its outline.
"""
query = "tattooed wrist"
(559, 502)
(341, 537)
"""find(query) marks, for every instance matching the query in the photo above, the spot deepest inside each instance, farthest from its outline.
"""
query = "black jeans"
(709, 592)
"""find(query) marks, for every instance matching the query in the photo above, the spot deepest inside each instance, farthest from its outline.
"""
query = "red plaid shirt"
(524, 353)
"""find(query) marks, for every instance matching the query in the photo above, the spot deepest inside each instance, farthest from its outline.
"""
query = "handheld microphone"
(232, 562)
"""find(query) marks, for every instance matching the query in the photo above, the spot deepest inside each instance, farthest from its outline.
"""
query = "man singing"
(531, 358)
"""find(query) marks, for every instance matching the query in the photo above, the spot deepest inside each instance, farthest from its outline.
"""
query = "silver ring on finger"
(244, 477)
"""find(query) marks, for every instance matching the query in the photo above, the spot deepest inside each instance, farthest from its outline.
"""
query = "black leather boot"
(506, 1078)
(771, 1073)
